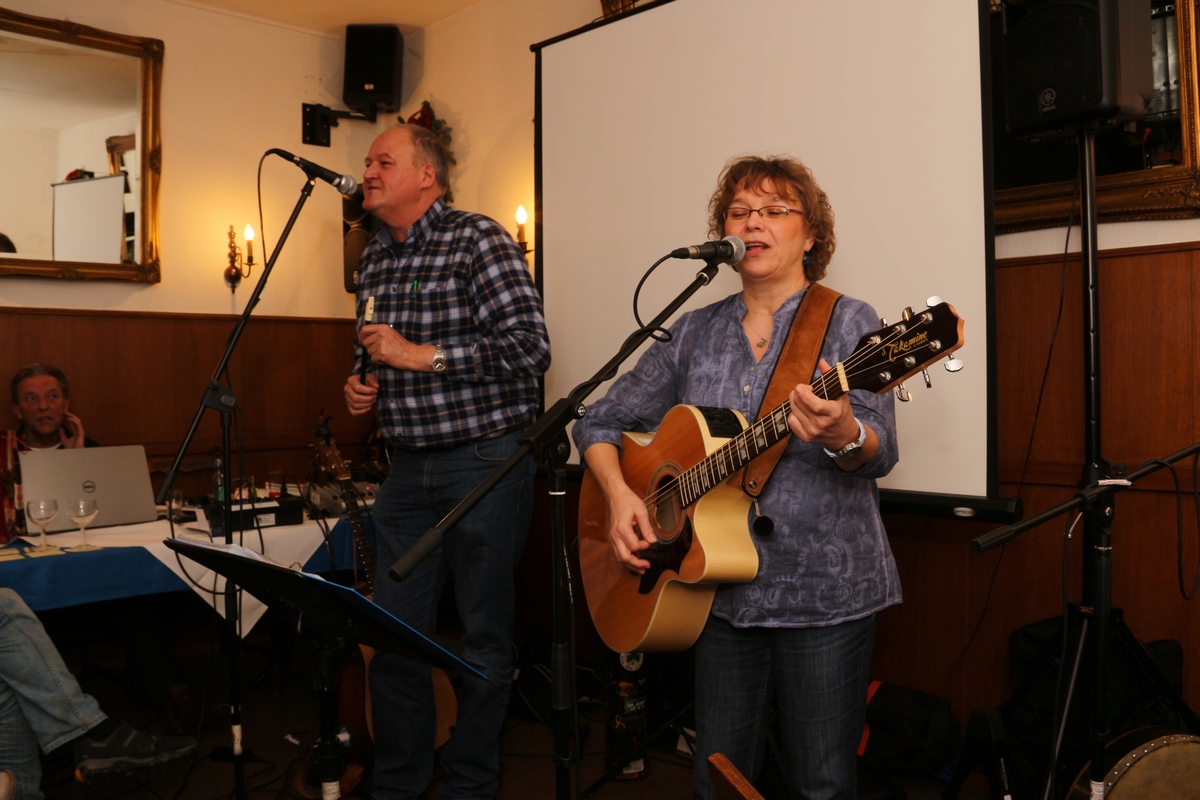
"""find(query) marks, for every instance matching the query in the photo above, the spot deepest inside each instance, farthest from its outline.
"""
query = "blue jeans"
(481, 554)
(41, 703)
(815, 678)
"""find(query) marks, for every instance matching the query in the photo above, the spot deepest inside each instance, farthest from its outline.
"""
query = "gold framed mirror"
(1166, 188)
(60, 117)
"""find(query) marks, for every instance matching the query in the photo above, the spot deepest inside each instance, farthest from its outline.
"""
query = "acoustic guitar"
(330, 460)
(689, 476)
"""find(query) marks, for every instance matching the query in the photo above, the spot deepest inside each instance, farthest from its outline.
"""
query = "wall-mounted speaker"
(374, 58)
(1069, 63)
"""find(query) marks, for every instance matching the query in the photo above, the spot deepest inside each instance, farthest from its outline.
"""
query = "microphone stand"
(546, 438)
(224, 401)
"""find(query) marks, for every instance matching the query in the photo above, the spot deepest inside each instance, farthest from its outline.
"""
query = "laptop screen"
(117, 478)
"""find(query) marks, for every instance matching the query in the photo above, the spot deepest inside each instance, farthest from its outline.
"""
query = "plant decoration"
(425, 117)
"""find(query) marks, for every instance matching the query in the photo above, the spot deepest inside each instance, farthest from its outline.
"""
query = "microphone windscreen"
(739, 250)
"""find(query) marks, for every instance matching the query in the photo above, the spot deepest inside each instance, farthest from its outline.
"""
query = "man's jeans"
(40, 701)
(815, 678)
(481, 554)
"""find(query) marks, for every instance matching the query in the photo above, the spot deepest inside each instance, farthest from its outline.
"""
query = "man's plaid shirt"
(458, 278)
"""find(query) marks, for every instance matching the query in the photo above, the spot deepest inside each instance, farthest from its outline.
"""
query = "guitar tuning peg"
(902, 394)
(953, 364)
(934, 300)
(907, 313)
(925, 375)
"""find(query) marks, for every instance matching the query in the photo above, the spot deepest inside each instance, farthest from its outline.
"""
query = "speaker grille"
(1068, 62)
(374, 57)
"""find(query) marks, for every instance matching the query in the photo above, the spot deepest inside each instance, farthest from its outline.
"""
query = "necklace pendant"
(762, 342)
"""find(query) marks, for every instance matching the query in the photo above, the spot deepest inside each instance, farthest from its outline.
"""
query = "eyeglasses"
(738, 214)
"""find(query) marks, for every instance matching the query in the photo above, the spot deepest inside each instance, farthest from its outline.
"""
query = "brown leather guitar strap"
(795, 365)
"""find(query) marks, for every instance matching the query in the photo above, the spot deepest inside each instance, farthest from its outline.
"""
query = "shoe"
(129, 753)
(8, 784)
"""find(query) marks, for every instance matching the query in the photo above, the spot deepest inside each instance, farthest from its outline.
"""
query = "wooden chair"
(728, 781)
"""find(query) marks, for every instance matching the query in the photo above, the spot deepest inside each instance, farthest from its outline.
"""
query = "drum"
(1147, 764)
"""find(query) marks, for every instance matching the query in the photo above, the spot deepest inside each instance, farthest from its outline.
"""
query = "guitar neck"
(361, 543)
(715, 468)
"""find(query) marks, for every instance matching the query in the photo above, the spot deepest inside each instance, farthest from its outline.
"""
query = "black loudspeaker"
(1069, 63)
(374, 57)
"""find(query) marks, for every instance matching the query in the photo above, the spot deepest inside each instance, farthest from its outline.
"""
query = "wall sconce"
(522, 217)
(238, 269)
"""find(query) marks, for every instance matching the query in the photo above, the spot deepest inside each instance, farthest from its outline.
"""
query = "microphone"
(730, 250)
(343, 183)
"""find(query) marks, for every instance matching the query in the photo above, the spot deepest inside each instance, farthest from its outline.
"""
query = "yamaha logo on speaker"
(1046, 99)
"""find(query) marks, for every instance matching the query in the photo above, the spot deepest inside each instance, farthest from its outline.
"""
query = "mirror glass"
(80, 150)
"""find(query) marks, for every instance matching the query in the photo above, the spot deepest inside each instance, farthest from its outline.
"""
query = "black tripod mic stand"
(1095, 500)
(546, 438)
(1099, 628)
(222, 399)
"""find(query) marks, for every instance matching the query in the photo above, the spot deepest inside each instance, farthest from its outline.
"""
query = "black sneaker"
(129, 753)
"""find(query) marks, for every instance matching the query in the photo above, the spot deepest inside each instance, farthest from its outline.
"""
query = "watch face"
(849, 450)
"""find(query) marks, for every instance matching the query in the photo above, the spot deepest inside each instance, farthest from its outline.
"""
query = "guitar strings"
(822, 386)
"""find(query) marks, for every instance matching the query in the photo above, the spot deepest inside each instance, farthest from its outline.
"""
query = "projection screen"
(637, 116)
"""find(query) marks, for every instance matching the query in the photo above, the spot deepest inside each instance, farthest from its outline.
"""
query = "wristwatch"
(438, 362)
(852, 448)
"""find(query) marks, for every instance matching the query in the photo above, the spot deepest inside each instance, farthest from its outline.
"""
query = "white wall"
(477, 71)
(1108, 237)
(232, 89)
(22, 212)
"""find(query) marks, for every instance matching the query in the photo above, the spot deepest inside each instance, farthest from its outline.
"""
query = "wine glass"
(175, 506)
(41, 513)
(82, 512)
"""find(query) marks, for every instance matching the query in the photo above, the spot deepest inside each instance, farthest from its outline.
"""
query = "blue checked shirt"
(459, 279)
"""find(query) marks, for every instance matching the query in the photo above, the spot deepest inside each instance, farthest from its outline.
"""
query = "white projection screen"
(637, 116)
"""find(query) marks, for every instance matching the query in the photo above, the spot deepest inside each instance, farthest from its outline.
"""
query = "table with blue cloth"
(134, 561)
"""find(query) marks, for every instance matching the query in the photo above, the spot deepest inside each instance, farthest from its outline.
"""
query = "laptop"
(117, 478)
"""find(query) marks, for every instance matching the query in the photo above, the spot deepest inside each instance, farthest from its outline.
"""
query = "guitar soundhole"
(667, 508)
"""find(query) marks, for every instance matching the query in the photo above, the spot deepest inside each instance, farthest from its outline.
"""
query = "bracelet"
(853, 447)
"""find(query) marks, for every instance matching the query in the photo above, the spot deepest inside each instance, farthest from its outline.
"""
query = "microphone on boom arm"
(730, 250)
(343, 183)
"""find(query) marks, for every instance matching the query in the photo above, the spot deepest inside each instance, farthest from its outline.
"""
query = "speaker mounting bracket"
(316, 120)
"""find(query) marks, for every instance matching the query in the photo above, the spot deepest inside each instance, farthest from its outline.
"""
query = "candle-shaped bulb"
(521, 218)
(249, 236)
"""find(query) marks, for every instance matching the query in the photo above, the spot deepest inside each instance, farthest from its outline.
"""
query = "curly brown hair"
(790, 179)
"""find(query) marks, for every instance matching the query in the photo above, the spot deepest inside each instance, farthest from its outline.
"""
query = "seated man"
(41, 403)
(41, 704)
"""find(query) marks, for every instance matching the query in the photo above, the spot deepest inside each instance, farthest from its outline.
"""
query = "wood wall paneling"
(138, 379)
(950, 636)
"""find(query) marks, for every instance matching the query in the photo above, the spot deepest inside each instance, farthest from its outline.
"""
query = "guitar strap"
(795, 365)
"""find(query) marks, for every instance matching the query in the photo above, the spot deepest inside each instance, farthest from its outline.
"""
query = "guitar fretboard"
(361, 543)
(715, 468)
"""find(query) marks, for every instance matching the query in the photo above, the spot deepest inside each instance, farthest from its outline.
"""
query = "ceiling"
(327, 17)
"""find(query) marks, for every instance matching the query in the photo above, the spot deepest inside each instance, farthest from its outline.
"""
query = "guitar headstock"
(895, 352)
(329, 458)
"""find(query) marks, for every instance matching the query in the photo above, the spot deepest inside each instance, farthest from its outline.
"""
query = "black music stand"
(334, 614)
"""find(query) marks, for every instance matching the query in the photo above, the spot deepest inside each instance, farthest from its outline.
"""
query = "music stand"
(335, 615)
